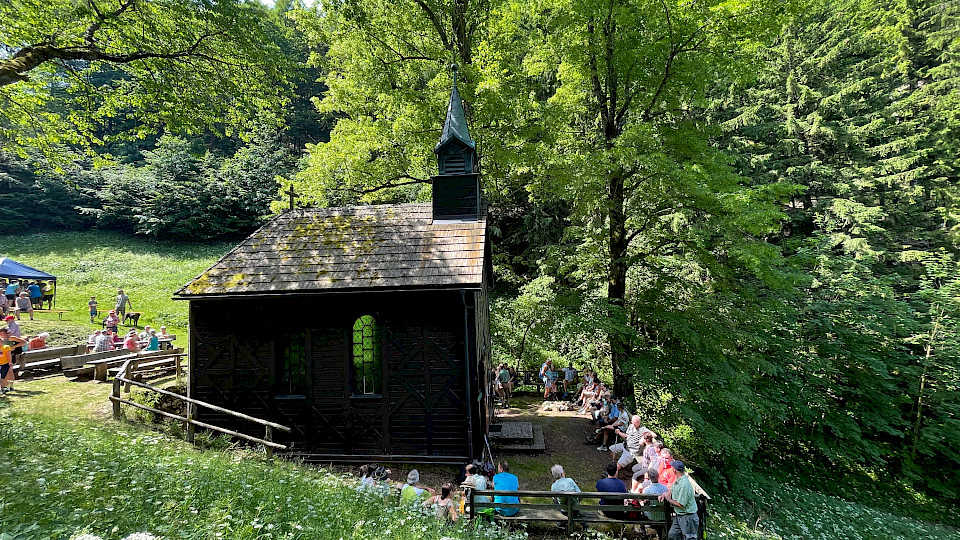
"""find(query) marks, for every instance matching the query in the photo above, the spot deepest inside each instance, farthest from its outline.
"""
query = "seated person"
(563, 485)
(620, 422)
(39, 342)
(630, 449)
(153, 342)
(505, 481)
(23, 304)
(665, 472)
(612, 484)
(130, 343)
(655, 488)
(412, 491)
(569, 379)
(145, 335)
(443, 506)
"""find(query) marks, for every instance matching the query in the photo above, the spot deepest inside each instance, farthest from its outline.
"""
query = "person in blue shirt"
(612, 484)
(35, 294)
(505, 481)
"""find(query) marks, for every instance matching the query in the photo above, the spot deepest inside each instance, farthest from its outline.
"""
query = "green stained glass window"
(366, 356)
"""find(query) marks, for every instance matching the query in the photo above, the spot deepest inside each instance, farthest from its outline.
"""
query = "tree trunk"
(617, 286)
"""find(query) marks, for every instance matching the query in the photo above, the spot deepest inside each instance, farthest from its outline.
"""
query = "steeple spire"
(455, 126)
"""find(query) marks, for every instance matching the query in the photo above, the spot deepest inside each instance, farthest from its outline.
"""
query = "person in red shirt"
(667, 475)
(130, 343)
(39, 342)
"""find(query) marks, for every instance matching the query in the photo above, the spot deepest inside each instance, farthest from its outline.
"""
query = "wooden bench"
(59, 312)
(577, 512)
(46, 358)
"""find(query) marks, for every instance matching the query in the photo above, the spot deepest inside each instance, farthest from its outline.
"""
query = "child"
(93, 308)
(7, 344)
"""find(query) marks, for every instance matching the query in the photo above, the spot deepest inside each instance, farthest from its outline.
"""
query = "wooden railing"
(570, 510)
(190, 419)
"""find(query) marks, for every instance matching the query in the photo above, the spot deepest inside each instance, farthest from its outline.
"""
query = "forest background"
(744, 211)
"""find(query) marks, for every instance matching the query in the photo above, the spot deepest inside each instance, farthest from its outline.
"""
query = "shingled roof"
(368, 247)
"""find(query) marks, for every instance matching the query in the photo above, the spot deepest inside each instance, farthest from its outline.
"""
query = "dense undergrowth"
(67, 478)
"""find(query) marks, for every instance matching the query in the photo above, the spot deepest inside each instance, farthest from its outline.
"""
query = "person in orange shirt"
(7, 344)
(39, 342)
(667, 475)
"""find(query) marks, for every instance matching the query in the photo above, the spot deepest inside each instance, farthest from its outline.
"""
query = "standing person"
(569, 379)
(36, 295)
(4, 304)
(47, 289)
(123, 302)
(24, 304)
(8, 343)
(12, 290)
(548, 376)
(12, 325)
(505, 481)
(612, 484)
(92, 305)
(686, 523)
(506, 384)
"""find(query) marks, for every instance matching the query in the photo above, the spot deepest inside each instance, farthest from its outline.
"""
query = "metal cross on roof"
(292, 194)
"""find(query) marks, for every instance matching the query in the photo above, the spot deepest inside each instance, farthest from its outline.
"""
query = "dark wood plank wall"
(423, 409)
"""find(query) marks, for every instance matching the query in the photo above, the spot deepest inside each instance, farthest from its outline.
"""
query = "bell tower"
(456, 190)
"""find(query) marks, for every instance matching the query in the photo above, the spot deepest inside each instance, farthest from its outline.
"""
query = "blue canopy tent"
(11, 269)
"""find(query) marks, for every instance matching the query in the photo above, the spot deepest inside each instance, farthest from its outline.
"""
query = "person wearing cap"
(686, 523)
(112, 321)
(12, 325)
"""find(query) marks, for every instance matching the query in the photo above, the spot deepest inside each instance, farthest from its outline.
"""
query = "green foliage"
(74, 72)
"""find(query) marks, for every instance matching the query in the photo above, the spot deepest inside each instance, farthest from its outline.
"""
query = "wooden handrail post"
(569, 503)
(191, 415)
(116, 401)
(473, 510)
(269, 438)
(127, 373)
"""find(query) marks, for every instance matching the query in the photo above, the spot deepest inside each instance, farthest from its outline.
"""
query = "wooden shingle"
(383, 246)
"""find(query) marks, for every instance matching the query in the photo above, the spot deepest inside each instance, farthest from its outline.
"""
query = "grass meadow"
(70, 469)
(98, 263)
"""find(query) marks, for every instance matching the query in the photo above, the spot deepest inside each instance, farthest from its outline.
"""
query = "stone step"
(536, 445)
(509, 432)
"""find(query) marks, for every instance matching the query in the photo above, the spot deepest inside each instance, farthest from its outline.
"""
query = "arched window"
(366, 356)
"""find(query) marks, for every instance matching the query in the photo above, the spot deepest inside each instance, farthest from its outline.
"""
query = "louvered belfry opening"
(456, 190)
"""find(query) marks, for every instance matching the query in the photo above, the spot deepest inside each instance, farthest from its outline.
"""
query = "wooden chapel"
(364, 328)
